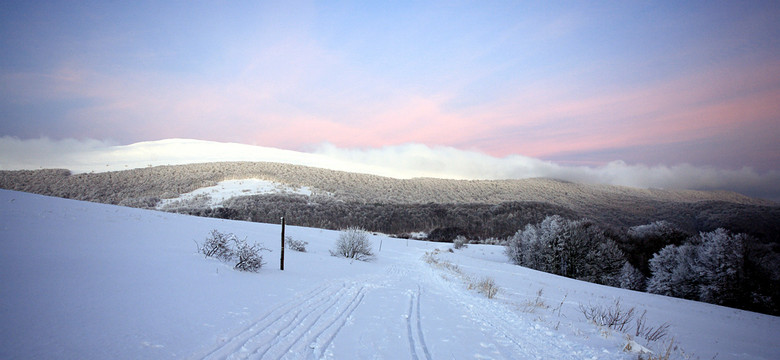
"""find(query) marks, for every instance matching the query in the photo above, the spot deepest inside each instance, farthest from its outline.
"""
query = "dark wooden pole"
(281, 262)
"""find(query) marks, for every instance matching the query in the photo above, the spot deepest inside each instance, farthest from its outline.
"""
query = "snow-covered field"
(215, 195)
(90, 281)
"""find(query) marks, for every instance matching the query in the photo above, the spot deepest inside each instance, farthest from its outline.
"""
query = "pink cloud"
(543, 119)
(706, 104)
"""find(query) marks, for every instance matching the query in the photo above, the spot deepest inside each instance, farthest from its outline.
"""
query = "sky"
(653, 85)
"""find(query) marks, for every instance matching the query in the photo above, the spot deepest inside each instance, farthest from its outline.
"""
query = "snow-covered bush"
(295, 245)
(218, 245)
(228, 248)
(353, 243)
(248, 257)
(460, 242)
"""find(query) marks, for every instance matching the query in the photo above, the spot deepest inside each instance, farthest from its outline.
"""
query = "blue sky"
(576, 83)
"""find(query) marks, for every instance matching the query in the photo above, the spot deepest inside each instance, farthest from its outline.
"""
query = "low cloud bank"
(402, 161)
(419, 160)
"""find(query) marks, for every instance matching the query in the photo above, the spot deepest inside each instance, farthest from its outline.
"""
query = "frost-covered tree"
(685, 278)
(662, 266)
(644, 241)
(576, 249)
(661, 228)
(710, 267)
(721, 266)
(552, 239)
(631, 278)
(539, 246)
(603, 263)
(522, 248)
(674, 272)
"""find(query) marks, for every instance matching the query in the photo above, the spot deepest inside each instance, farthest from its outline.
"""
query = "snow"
(97, 156)
(224, 190)
(94, 281)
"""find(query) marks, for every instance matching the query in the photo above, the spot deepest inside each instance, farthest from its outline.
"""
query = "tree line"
(719, 266)
(475, 221)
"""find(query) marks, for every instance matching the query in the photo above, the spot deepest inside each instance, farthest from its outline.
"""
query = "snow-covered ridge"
(216, 195)
(400, 161)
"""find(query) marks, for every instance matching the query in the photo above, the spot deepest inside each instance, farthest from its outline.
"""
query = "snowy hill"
(92, 281)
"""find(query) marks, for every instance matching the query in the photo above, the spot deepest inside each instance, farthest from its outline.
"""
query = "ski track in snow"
(414, 298)
(412, 347)
(302, 329)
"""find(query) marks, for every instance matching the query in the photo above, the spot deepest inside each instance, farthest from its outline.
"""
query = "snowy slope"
(216, 195)
(92, 281)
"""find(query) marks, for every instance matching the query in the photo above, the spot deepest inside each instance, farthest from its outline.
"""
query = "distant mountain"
(404, 161)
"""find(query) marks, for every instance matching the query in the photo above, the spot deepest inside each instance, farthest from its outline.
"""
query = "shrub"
(487, 286)
(248, 256)
(648, 332)
(460, 242)
(353, 243)
(218, 245)
(537, 302)
(613, 317)
(618, 318)
(430, 257)
(295, 245)
(228, 248)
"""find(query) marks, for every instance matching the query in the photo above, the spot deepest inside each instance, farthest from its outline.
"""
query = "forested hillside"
(481, 208)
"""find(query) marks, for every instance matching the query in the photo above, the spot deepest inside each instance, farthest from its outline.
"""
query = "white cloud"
(415, 160)
(402, 161)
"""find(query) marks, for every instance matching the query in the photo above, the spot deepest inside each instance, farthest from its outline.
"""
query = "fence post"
(281, 261)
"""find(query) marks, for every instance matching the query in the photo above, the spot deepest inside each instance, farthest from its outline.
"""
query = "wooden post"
(281, 262)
